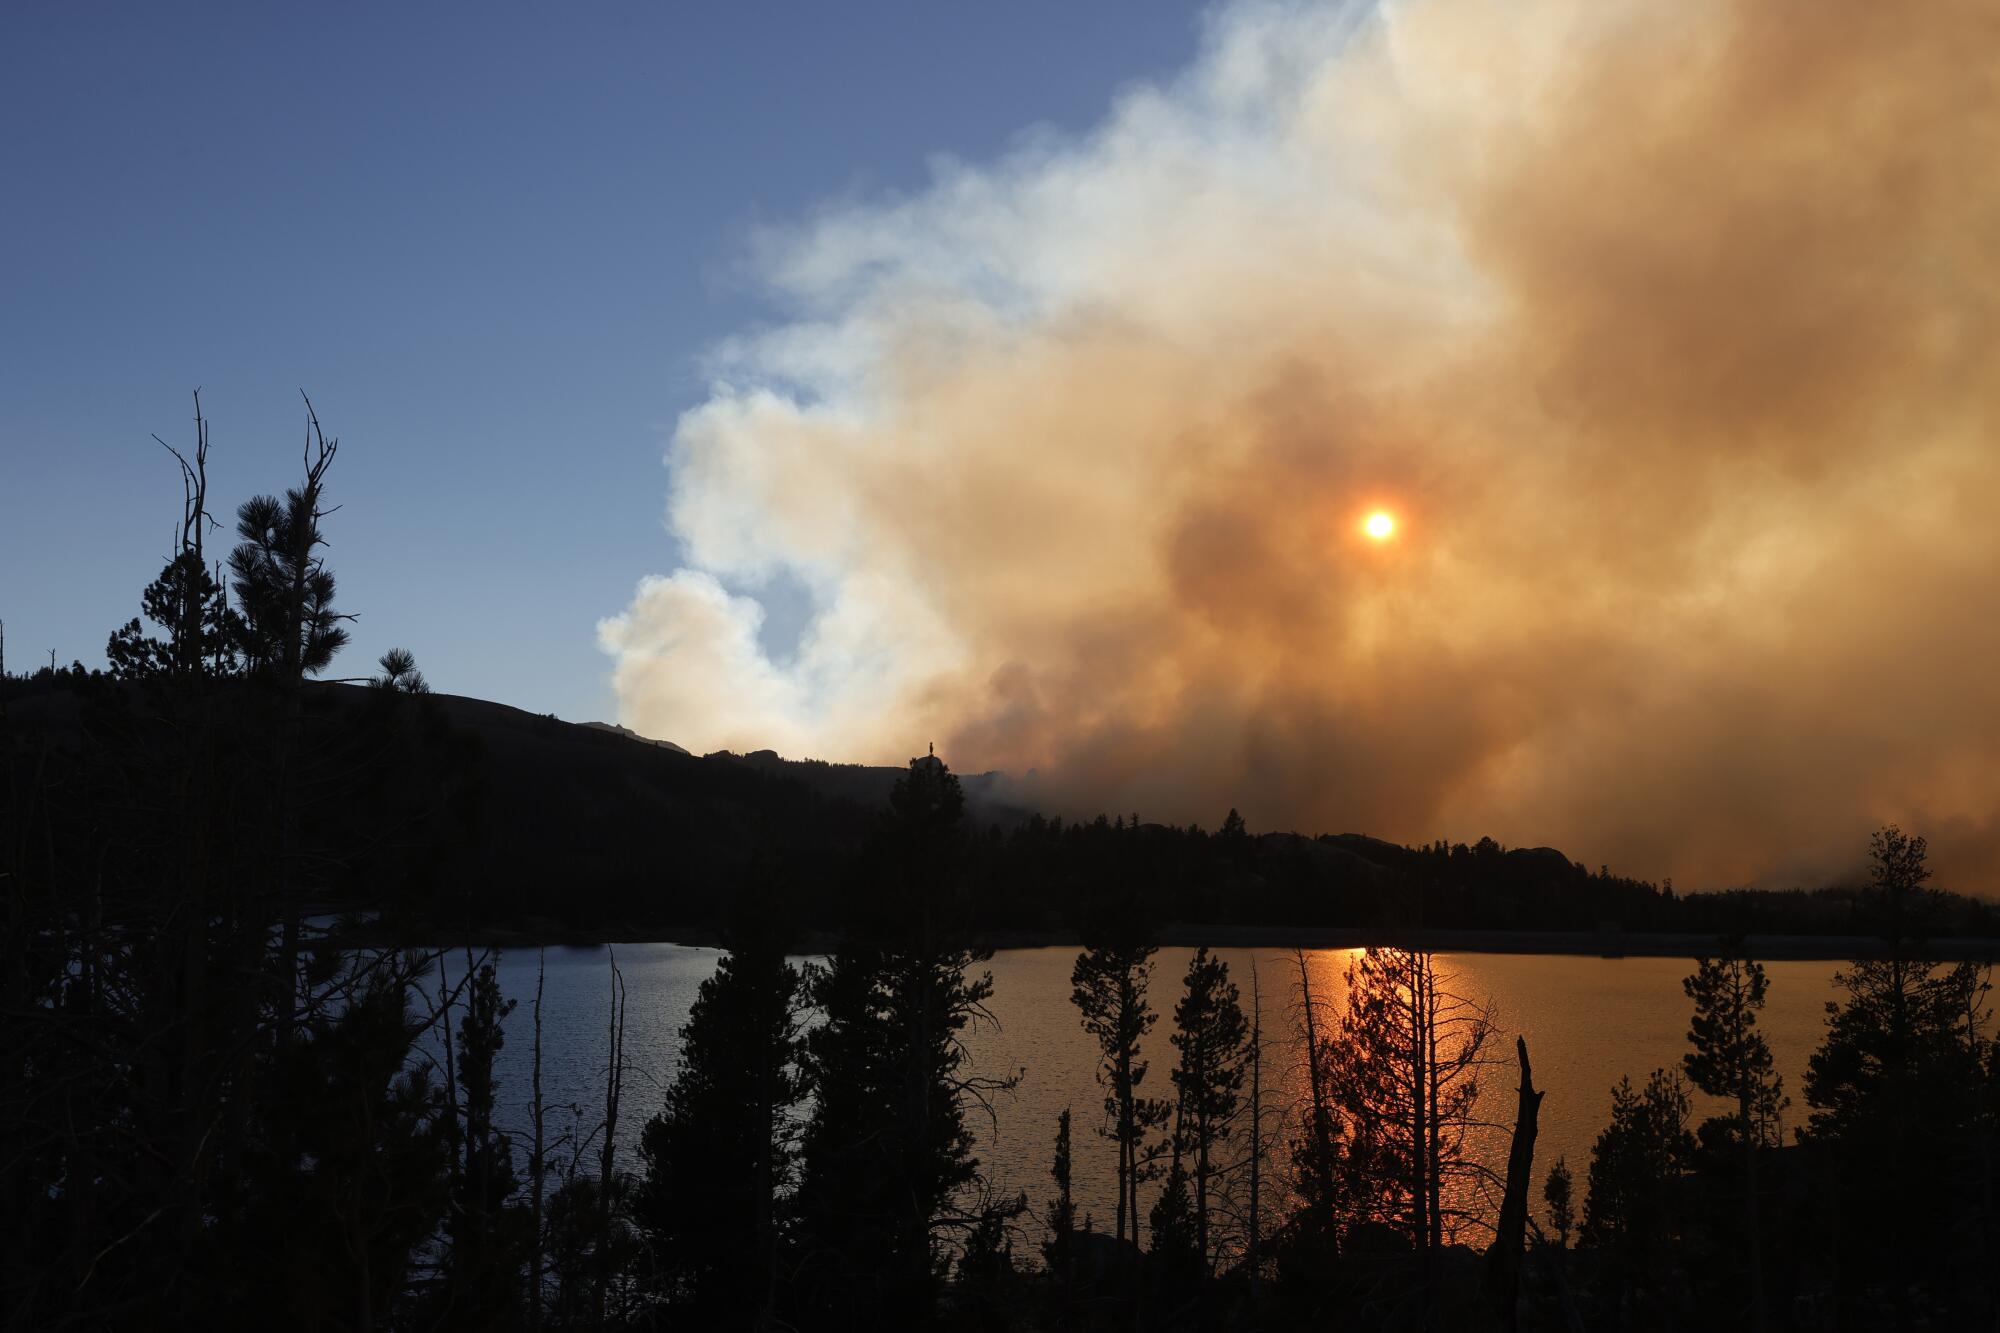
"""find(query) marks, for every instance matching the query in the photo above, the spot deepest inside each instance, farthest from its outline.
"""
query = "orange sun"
(1380, 525)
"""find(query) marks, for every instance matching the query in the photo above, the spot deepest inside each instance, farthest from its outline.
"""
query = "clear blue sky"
(491, 240)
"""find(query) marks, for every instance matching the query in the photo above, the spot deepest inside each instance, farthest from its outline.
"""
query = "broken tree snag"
(1502, 1281)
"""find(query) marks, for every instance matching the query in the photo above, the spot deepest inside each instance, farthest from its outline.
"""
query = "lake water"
(1587, 1021)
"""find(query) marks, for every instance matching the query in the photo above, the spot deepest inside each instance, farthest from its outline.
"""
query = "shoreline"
(1603, 944)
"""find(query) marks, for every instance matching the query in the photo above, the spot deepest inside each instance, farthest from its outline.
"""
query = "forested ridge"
(545, 825)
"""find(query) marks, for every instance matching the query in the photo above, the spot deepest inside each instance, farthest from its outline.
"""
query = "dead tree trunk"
(537, 1171)
(1321, 1111)
(1254, 1258)
(614, 1087)
(1502, 1283)
(455, 1137)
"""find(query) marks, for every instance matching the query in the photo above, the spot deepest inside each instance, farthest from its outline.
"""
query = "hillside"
(480, 815)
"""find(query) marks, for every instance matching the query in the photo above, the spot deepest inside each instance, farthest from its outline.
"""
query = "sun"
(1380, 525)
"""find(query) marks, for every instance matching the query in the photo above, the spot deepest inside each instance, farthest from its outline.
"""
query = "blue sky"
(492, 241)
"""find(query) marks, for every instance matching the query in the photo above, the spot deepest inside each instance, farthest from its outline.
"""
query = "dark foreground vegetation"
(214, 1115)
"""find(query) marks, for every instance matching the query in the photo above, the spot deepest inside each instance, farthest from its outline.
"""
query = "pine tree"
(719, 1155)
(1731, 1060)
(1059, 1250)
(1175, 1254)
(331, 1199)
(1108, 985)
(282, 581)
(201, 632)
(1894, 1084)
(1632, 1215)
(1211, 1034)
(1895, 1044)
(984, 1284)
(399, 673)
(487, 1235)
(1557, 1193)
(889, 1175)
(846, 1201)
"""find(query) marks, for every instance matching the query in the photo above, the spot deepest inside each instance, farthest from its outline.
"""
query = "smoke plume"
(1666, 331)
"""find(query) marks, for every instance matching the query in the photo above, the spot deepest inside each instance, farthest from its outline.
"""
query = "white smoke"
(1663, 329)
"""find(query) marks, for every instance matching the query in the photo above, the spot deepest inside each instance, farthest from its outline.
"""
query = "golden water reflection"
(1587, 1021)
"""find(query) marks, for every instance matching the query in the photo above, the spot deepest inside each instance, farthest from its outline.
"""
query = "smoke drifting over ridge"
(1667, 332)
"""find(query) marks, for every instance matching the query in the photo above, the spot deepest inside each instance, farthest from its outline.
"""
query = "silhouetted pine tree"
(1059, 1246)
(582, 1251)
(888, 1176)
(325, 1217)
(486, 1234)
(1895, 1094)
(202, 633)
(1633, 1217)
(282, 582)
(1731, 1060)
(1175, 1259)
(985, 1287)
(719, 1155)
(846, 1203)
(1108, 985)
(1558, 1194)
(399, 673)
(1211, 1034)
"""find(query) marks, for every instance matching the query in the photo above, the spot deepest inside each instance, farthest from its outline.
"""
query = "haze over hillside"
(1663, 332)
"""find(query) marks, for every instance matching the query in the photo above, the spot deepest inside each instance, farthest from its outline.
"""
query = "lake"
(1587, 1022)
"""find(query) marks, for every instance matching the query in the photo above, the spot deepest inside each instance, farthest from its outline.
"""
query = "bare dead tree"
(441, 1016)
(537, 1169)
(1404, 1070)
(1321, 1127)
(316, 466)
(614, 1086)
(190, 608)
(1501, 1282)
(1254, 1244)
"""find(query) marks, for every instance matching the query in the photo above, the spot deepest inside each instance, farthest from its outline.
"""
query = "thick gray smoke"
(1667, 332)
